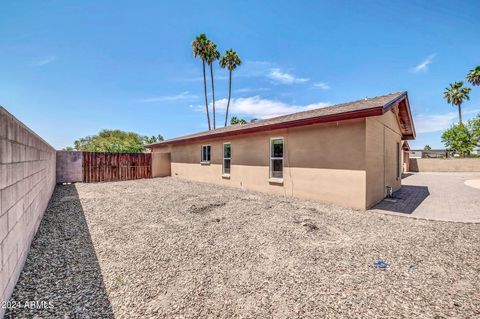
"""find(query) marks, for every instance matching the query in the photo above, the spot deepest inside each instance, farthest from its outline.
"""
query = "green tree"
(199, 48)
(68, 148)
(456, 94)
(114, 141)
(153, 139)
(427, 148)
(460, 139)
(235, 120)
(474, 127)
(231, 61)
(211, 55)
(474, 76)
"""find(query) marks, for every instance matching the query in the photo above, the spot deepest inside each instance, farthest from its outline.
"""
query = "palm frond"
(474, 76)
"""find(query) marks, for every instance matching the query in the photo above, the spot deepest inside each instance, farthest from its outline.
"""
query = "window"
(227, 156)
(276, 158)
(206, 151)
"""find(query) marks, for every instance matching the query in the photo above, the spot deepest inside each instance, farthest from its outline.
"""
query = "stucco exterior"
(383, 141)
(347, 163)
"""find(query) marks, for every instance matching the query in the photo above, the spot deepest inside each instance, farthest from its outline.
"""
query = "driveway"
(168, 248)
(437, 196)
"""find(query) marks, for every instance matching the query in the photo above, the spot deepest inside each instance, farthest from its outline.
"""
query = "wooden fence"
(106, 167)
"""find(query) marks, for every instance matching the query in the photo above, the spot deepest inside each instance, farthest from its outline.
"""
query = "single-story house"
(347, 154)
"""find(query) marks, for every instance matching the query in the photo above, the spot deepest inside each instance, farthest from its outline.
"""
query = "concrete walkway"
(438, 196)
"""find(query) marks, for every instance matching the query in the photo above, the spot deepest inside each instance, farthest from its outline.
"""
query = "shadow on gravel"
(61, 276)
(405, 200)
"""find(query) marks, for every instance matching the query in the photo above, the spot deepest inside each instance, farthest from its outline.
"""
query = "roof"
(357, 109)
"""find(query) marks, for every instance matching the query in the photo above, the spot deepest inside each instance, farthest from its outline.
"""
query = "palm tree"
(235, 120)
(211, 55)
(199, 47)
(474, 76)
(456, 94)
(231, 61)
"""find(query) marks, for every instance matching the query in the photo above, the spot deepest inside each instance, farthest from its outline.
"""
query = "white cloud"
(250, 69)
(278, 75)
(45, 61)
(423, 66)
(184, 96)
(427, 123)
(259, 108)
(322, 86)
(250, 90)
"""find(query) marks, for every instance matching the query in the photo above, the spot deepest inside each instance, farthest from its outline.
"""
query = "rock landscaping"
(163, 248)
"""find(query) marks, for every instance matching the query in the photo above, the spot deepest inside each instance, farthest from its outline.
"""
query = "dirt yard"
(171, 248)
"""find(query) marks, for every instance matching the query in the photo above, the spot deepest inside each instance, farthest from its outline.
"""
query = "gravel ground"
(172, 248)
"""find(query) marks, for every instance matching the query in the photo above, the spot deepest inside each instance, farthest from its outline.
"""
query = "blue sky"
(71, 68)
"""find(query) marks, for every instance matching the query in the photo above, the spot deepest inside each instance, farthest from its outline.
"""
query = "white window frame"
(202, 160)
(270, 150)
(226, 158)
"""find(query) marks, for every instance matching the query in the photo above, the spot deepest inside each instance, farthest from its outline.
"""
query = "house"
(347, 154)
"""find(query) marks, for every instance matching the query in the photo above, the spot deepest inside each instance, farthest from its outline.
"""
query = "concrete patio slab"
(437, 196)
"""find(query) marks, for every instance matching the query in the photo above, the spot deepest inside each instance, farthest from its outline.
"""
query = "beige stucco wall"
(323, 162)
(406, 161)
(27, 180)
(161, 164)
(382, 136)
(347, 163)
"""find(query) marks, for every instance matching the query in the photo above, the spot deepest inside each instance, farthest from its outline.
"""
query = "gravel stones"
(167, 247)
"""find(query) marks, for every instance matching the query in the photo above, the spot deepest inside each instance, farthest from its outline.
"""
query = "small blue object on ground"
(380, 265)
(412, 266)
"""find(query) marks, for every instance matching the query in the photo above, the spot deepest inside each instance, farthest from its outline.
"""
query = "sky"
(71, 68)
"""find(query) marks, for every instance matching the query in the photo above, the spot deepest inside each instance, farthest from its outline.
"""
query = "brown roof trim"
(362, 113)
(278, 126)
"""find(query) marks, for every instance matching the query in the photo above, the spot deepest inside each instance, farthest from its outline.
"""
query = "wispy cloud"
(427, 123)
(280, 76)
(184, 96)
(250, 90)
(322, 86)
(45, 60)
(423, 66)
(250, 69)
(256, 107)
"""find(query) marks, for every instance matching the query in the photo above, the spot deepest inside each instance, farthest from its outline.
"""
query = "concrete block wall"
(27, 180)
(444, 165)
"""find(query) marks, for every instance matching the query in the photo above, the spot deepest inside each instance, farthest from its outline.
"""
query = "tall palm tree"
(199, 47)
(231, 61)
(474, 76)
(211, 55)
(456, 94)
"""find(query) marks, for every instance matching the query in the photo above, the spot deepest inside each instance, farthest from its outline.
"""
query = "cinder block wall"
(27, 180)
(445, 165)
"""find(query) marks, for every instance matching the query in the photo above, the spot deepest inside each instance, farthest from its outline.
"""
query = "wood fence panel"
(107, 167)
